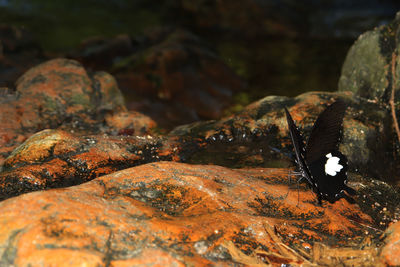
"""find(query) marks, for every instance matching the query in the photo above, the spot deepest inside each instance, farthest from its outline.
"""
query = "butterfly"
(320, 163)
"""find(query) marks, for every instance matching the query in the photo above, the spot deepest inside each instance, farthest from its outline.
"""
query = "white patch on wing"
(332, 166)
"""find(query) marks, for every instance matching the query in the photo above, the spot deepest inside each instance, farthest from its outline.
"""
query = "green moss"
(80, 99)
(50, 103)
(10, 251)
(240, 100)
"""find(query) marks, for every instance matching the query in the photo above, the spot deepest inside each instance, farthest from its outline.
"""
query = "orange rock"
(60, 94)
(55, 158)
(166, 214)
(390, 252)
(40, 146)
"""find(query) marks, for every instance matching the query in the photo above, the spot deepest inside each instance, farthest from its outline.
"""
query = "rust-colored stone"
(169, 213)
(390, 252)
(60, 94)
(41, 145)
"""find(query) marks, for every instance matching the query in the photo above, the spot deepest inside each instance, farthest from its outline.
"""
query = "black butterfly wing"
(331, 181)
(327, 165)
(299, 149)
(296, 137)
(326, 133)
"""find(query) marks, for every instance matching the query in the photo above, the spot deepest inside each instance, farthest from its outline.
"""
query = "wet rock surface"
(55, 158)
(174, 213)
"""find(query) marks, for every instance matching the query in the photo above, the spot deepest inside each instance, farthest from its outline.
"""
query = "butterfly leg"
(290, 173)
(301, 179)
(293, 173)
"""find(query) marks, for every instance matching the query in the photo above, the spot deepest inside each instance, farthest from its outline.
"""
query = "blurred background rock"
(180, 61)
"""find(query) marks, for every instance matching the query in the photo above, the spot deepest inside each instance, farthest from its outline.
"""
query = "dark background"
(277, 47)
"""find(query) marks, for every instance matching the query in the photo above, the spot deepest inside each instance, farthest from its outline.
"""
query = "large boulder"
(371, 66)
(169, 214)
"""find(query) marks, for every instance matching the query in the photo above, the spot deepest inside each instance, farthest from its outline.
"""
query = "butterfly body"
(320, 162)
